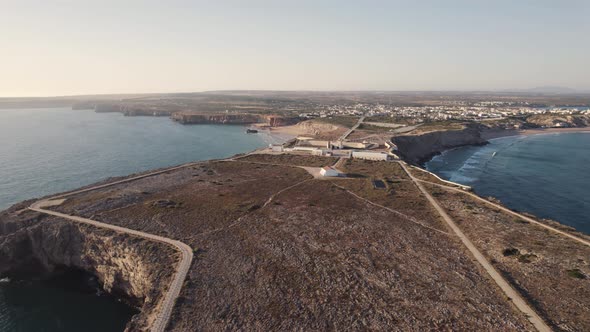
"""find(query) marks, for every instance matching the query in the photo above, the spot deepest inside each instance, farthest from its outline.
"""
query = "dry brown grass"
(537, 261)
(314, 257)
(290, 160)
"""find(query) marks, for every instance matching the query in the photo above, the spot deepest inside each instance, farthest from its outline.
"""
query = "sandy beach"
(293, 131)
(514, 132)
(311, 129)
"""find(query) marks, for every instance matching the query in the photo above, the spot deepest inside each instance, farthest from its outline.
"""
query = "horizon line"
(497, 91)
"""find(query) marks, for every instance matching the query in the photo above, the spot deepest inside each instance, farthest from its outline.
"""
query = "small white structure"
(321, 152)
(370, 155)
(309, 149)
(330, 171)
(276, 148)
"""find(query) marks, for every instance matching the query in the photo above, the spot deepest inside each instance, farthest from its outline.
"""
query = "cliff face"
(201, 118)
(417, 149)
(108, 107)
(133, 109)
(278, 121)
(137, 270)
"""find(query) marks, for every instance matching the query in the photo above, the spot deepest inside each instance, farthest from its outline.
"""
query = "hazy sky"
(86, 47)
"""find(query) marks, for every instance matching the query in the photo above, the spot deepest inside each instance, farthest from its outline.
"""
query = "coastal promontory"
(276, 246)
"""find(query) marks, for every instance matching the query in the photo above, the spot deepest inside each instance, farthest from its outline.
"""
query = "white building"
(276, 148)
(330, 171)
(322, 152)
(370, 155)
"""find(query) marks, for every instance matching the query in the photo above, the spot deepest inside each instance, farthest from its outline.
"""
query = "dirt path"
(404, 216)
(516, 214)
(510, 292)
(349, 131)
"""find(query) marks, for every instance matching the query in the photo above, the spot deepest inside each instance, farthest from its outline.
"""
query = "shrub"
(526, 258)
(510, 252)
(576, 273)
(520, 221)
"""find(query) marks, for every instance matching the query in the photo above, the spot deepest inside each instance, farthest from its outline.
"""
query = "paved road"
(510, 292)
(173, 292)
(349, 131)
(340, 163)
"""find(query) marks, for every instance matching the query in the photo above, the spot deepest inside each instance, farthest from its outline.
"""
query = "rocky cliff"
(135, 270)
(417, 149)
(278, 121)
(133, 109)
(220, 118)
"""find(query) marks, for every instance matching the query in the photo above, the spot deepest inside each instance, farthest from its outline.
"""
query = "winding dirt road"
(167, 305)
(510, 292)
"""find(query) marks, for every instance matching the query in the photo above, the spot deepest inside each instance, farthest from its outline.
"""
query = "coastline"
(494, 134)
(279, 205)
(292, 131)
(277, 135)
(487, 135)
(515, 134)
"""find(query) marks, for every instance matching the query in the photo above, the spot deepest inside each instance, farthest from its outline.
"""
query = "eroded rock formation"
(201, 118)
(419, 148)
(136, 270)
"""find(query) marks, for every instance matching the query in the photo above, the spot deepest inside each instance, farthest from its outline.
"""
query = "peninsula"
(338, 228)
(268, 232)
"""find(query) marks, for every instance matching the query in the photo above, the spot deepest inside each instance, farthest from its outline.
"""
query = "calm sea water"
(546, 175)
(44, 151)
(67, 302)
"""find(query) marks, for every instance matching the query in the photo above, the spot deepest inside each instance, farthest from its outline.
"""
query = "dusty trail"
(183, 267)
(516, 214)
(508, 290)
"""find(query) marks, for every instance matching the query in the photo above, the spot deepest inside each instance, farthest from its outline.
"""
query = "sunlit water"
(45, 151)
(546, 175)
(52, 150)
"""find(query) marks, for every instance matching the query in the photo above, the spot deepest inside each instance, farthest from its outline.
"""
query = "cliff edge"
(133, 269)
(417, 149)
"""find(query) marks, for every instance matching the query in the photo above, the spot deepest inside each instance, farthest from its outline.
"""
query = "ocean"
(546, 175)
(45, 151)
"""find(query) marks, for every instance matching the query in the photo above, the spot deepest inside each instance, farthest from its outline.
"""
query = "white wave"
(461, 178)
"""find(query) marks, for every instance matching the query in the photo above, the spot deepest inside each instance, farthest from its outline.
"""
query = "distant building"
(276, 148)
(322, 152)
(370, 155)
(330, 171)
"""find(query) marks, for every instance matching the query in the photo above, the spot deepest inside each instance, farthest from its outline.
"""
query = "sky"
(55, 48)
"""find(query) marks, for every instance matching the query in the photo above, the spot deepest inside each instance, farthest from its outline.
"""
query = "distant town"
(479, 111)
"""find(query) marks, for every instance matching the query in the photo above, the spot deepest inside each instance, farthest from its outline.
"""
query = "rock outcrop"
(417, 149)
(133, 269)
(278, 121)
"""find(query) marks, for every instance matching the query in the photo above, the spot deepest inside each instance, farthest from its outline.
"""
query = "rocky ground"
(276, 249)
(316, 128)
(550, 270)
(133, 269)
